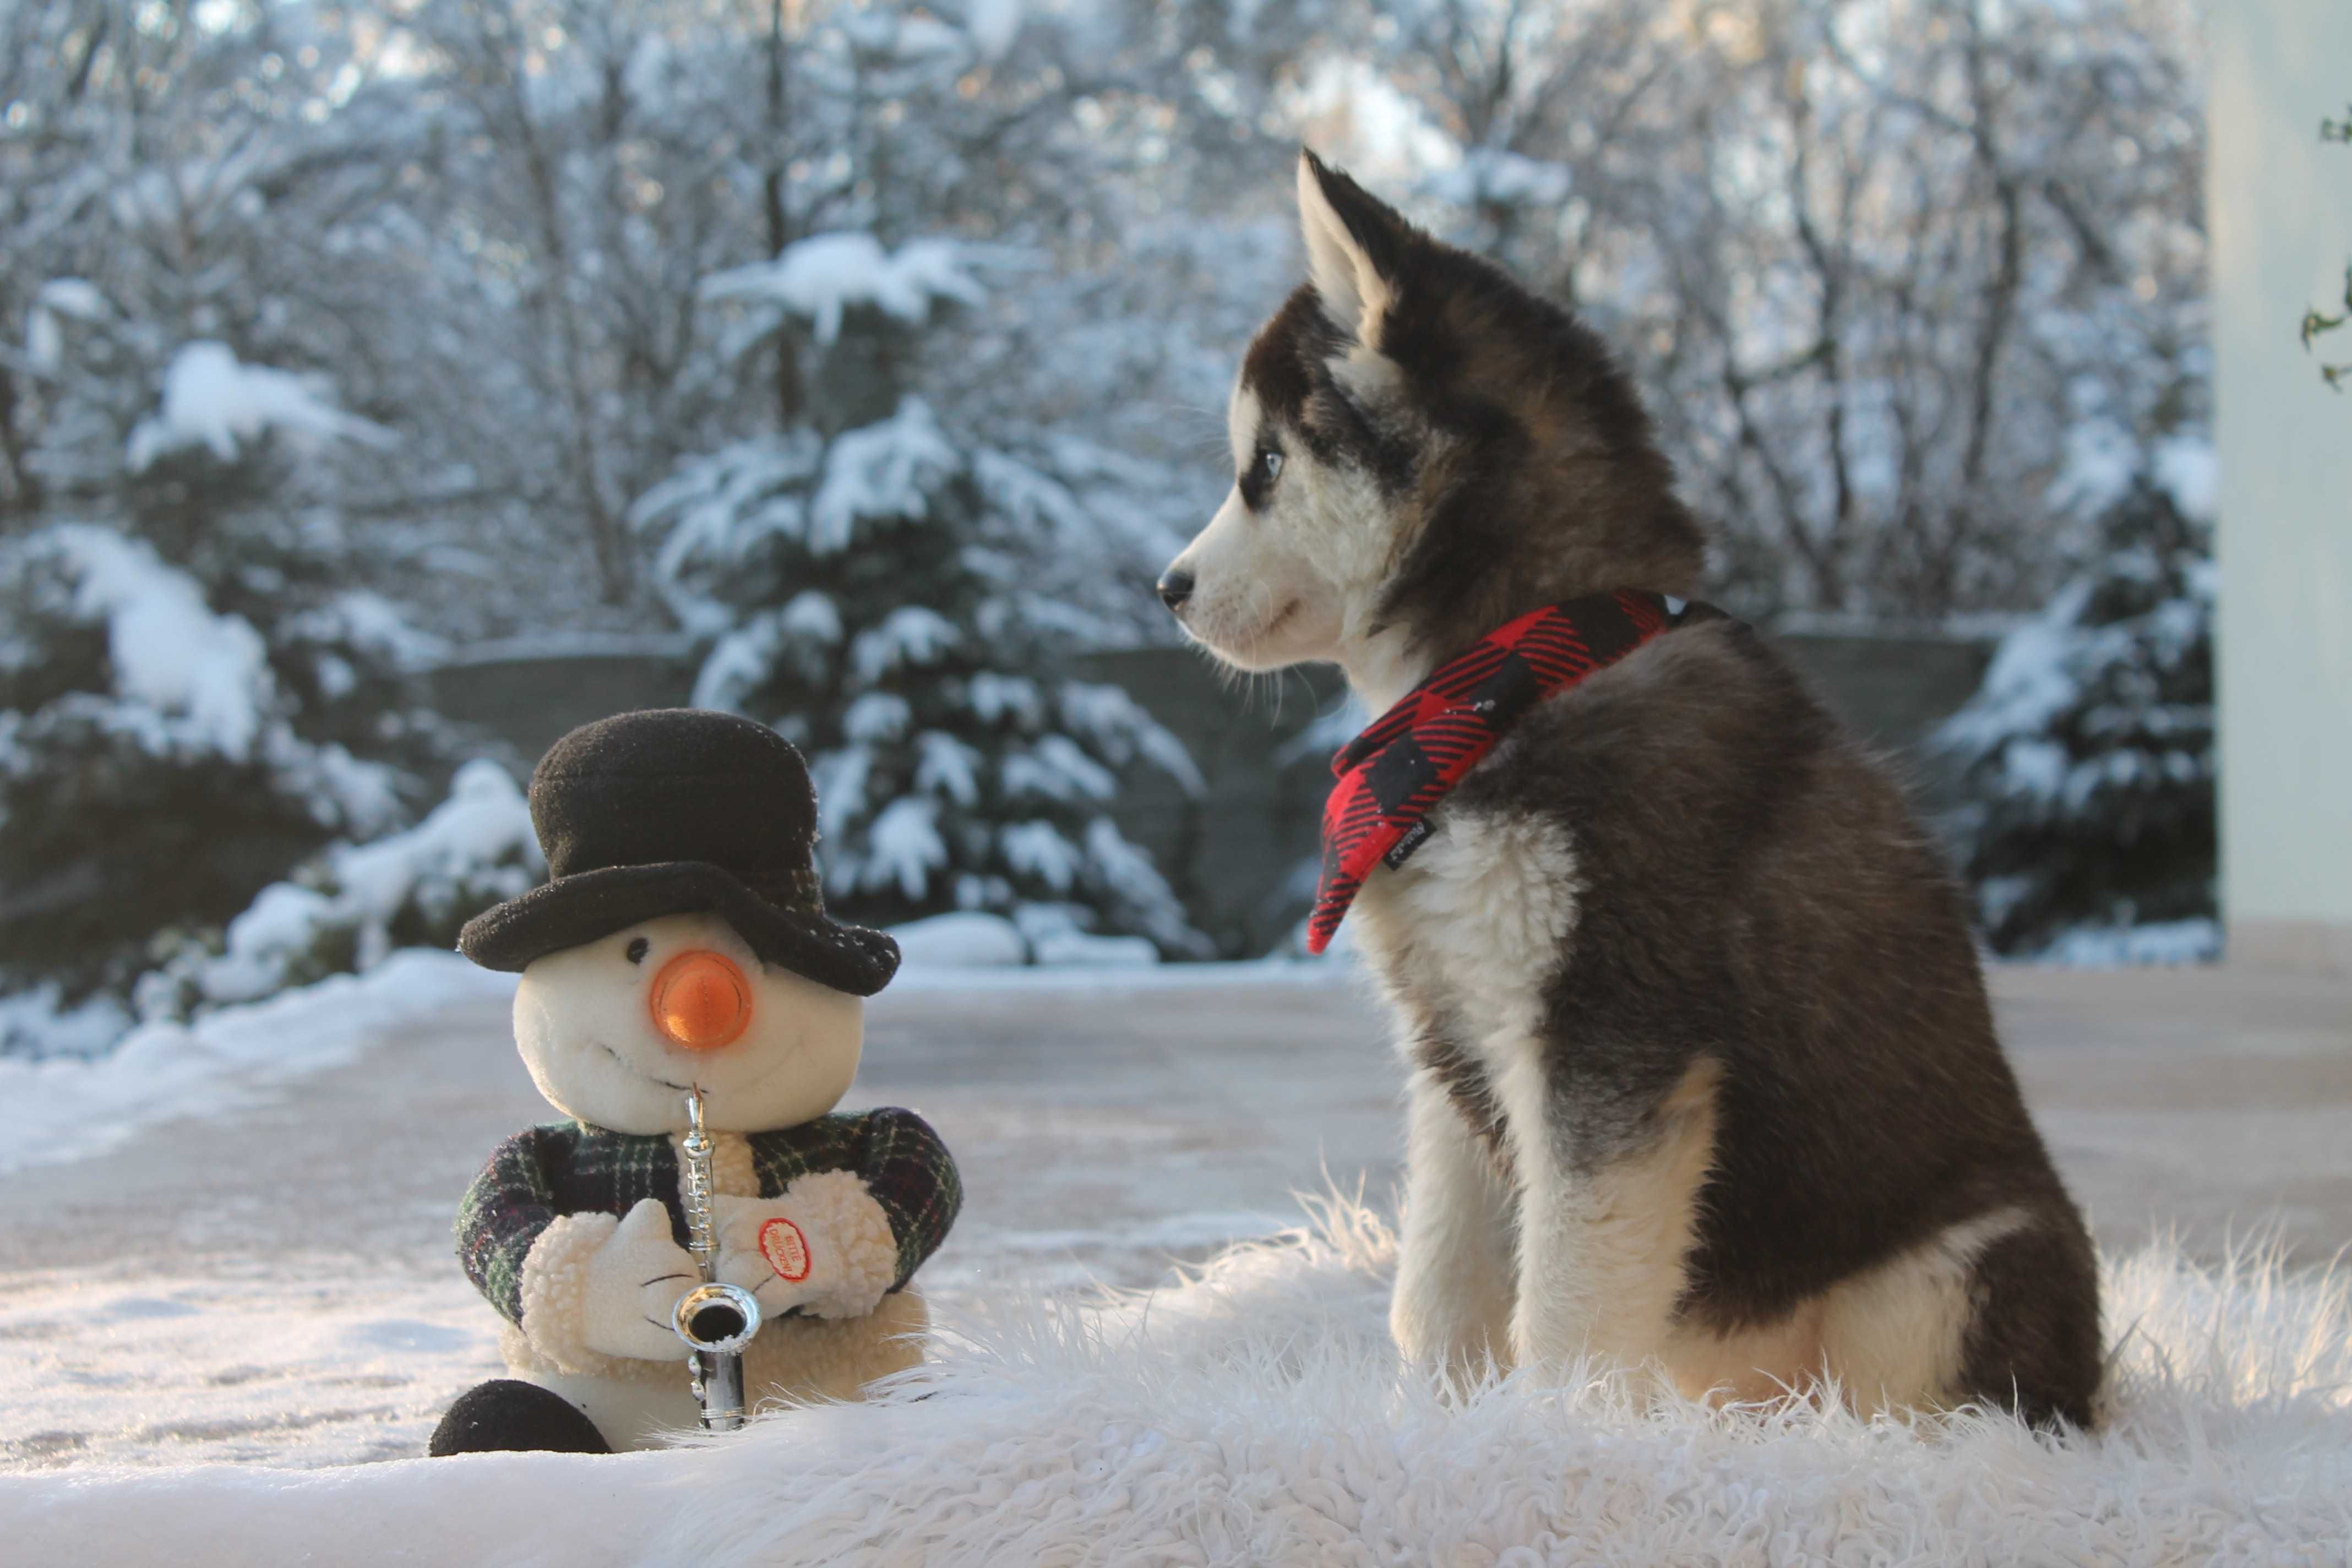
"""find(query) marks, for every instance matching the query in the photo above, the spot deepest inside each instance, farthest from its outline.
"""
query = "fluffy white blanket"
(1254, 1413)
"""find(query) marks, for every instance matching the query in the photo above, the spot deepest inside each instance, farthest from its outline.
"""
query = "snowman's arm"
(503, 1215)
(912, 1178)
(854, 1229)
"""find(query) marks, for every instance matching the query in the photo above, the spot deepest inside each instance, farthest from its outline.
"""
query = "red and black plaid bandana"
(1393, 774)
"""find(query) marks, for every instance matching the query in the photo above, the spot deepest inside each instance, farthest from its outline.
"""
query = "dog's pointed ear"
(1355, 248)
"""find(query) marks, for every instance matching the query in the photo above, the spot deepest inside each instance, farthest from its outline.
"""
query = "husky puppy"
(1703, 1076)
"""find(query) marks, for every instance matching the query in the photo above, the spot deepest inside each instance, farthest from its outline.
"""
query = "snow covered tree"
(197, 688)
(2087, 754)
(862, 581)
(1879, 263)
(579, 165)
(1872, 260)
(347, 907)
(193, 695)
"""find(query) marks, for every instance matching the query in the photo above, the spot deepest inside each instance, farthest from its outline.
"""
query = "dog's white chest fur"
(1468, 935)
(1475, 923)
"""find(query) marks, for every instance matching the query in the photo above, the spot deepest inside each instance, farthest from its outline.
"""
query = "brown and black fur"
(1759, 926)
(1770, 902)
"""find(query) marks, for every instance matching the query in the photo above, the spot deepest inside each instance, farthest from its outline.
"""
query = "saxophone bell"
(716, 1318)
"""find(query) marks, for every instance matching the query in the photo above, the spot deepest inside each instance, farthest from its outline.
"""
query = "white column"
(2280, 209)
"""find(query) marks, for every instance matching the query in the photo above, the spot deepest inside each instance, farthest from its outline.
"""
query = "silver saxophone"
(714, 1320)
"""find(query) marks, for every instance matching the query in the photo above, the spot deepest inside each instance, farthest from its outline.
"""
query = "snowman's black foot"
(506, 1415)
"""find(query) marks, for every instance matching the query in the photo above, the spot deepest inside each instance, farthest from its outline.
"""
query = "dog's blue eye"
(1257, 478)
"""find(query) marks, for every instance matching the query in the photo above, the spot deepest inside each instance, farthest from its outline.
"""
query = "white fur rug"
(1254, 1413)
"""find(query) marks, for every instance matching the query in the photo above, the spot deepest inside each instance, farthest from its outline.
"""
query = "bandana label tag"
(1401, 850)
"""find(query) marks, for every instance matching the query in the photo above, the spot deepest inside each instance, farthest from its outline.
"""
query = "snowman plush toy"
(681, 944)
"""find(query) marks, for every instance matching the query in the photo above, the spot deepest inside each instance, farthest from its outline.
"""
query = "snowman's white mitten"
(824, 1246)
(593, 1283)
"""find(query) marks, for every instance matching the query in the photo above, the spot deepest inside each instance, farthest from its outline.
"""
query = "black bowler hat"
(677, 810)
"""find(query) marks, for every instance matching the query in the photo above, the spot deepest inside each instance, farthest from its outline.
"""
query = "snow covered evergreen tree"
(860, 580)
(347, 907)
(196, 688)
(2088, 752)
(193, 695)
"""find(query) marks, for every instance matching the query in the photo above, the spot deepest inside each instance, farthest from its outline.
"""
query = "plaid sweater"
(570, 1167)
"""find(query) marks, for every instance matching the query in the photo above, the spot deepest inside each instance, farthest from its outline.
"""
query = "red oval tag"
(786, 1250)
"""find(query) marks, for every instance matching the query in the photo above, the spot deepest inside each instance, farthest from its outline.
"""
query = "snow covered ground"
(270, 1281)
(64, 1108)
(269, 1276)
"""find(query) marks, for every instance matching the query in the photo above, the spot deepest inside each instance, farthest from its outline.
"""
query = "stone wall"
(1242, 854)
(517, 700)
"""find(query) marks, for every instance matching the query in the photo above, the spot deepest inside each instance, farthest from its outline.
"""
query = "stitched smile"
(633, 1069)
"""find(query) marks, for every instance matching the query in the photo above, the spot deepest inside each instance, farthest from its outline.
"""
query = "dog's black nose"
(1175, 587)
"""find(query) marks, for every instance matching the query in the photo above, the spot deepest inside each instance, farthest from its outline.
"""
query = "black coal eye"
(638, 949)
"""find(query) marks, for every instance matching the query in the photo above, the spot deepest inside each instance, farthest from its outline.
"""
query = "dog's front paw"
(1450, 1328)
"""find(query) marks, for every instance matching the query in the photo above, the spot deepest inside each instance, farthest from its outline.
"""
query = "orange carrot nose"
(701, 1001)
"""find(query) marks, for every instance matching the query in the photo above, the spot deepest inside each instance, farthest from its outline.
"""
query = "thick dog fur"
(1703, 1074)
